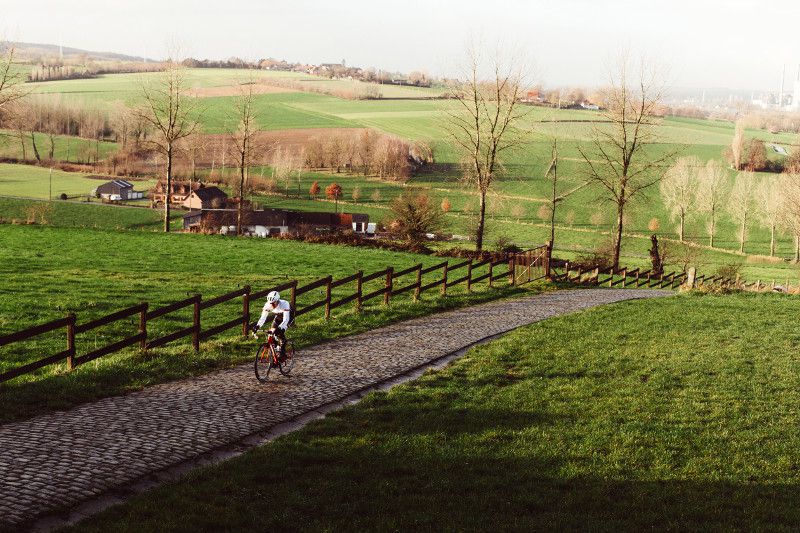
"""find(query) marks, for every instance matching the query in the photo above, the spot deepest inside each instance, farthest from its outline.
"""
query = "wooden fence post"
(196, 323)
(529, 261)
(597, 276)
(293, 296)
(469, 276)
(418, 286)
(71, 341)
(444, 279)
(512, 270)
(143, 326)
(624, 277)
(328, 298)
(611, 277)
(359, 292)
(491, 272)
(580, 274)
(389, 283)
(547, 259)
(246, 311)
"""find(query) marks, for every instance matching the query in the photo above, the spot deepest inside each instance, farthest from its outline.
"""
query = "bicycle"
(267, 357)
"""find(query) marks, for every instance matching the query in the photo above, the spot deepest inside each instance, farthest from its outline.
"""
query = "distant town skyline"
(737, 44)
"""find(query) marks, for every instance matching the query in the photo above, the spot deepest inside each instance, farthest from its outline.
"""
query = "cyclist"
(283, 319)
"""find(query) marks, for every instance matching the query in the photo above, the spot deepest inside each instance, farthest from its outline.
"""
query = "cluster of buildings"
(210, 210)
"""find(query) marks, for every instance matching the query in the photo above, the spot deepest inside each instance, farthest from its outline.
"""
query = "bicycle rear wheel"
(263, 363)
(291, 357)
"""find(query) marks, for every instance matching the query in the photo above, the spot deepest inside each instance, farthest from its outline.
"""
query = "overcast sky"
(706, 43)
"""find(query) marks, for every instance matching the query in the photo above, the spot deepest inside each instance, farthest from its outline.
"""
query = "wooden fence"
(636, 278)
(517, 269)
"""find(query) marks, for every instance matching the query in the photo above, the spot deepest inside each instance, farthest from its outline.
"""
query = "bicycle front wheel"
(264, 362)
(291, 357)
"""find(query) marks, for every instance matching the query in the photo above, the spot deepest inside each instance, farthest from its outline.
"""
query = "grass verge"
(676, 413)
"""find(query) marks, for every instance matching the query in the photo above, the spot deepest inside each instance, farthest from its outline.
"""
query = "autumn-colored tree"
(741, 203)
(356, 194)
(654, 225)
(679, 190)
(711, 194)
(334, 192)
(313, 191)
(770, 200)
(737, 145)
(446, 205)
(375, 196)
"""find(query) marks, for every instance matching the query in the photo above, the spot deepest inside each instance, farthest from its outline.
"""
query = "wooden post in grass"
(388, 293)
(649, 274)
(418, 286)
(143, 326)
(328, 298)
(491, 273)
(293, 296)
(196, 323)
(359, 292)
(548, 257)
(580, 273)
(71, 341)
(469, 276)
(611, 277)
(246, 311)
(444, 279)
(512, 270)
(624, 276)
(528, 262)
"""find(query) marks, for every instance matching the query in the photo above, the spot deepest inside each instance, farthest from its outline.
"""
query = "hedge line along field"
(47, 272)
(669, 416)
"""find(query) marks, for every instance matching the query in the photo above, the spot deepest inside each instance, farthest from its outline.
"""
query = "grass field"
(669, 416)
(48, 272)
(518, 194)
(35, 182)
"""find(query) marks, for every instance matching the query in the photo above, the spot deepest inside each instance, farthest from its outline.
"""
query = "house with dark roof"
(268, 222)
(116, 190)
(178, 192)
(206, 198)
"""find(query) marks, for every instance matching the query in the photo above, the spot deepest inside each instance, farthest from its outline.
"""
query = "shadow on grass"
(384, 467)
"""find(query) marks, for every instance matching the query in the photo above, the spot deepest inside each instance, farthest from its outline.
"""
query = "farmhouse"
(275, 222)
(179, 190)
(206, 198)
(118, 190)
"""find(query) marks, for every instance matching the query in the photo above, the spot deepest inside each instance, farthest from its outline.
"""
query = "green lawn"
(35, 182)
(668, 414)
(48, 272)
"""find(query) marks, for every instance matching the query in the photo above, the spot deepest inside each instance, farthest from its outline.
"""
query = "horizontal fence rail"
(518, 270)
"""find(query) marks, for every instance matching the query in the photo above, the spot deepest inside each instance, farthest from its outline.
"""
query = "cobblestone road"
(58, 460)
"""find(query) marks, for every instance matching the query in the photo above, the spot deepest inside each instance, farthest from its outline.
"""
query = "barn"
(118, 190)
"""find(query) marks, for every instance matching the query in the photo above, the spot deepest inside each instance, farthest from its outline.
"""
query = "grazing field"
(48, 272)
(663, 414)
(36, 182)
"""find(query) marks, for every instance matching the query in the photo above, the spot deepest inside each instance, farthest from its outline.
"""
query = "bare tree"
(770, 199)
(556, 197)
(790, 212)
(679, 190)
(711, 194)
(244, 142)
(620, 159)
(11, 78)
(171, 114)
(741, 203)
(486, 124)
(737, 145)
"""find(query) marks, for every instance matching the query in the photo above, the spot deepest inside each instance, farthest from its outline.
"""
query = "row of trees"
(693, 190)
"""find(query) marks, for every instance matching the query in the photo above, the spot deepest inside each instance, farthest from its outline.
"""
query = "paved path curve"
(58, 460)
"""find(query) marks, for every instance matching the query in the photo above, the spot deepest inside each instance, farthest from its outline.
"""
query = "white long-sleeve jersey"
(283, 307)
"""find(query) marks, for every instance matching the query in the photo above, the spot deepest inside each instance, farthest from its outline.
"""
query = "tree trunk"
(683, 224)
(713, 222)
(481, 223)
(772, 240)
(168, 196)
(655, 257)
(618, 238)
(35, 148)
(22, 145)
(741, 234)
(241, 197)
(51, 152)
(797, 248)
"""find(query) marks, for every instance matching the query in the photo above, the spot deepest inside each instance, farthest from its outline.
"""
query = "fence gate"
(531, 265)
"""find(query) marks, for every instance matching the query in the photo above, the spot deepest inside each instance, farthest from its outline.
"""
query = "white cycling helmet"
(273, 297)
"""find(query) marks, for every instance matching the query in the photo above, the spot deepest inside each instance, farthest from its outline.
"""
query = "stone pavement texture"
(58, 460)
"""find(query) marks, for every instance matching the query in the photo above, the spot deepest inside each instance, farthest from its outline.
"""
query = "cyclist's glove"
(254, 329)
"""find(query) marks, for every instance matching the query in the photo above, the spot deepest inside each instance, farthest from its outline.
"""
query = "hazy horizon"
(704, 44)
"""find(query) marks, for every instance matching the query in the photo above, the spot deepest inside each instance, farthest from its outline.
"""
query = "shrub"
(414, 215)
(598, 257)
